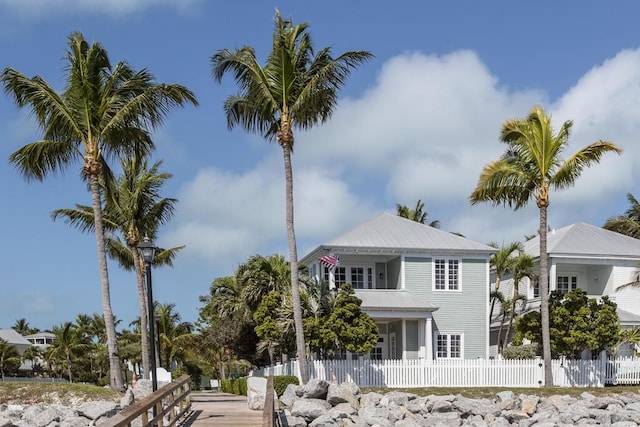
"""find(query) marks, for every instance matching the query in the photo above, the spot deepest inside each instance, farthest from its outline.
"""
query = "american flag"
(330, 261)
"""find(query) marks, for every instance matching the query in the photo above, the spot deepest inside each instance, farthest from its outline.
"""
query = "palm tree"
(23, 328)
(502, 263)
(8, 356)
(173, 333)
(261, 275)
(529, 169)
(135, 209)
(67, 343)
(522, 267)
(628, 223)
(417, 214)
(103, 112)
(296, 88)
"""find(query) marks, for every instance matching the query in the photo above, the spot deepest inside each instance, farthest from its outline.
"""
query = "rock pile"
(81, 415)
(320, 404)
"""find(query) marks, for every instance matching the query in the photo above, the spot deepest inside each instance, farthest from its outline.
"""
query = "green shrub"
(225, 386)
(527, 351)
(242, 386)
(281, 382)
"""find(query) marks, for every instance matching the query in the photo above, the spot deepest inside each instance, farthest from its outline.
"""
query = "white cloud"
(423, 131)
(114, 7)
(229, 216)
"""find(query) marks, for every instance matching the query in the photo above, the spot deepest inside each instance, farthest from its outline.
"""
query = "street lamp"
(148, 252)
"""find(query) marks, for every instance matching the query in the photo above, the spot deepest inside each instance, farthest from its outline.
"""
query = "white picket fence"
(467, 372)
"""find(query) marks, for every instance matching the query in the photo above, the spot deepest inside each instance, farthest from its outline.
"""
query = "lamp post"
(148, 252)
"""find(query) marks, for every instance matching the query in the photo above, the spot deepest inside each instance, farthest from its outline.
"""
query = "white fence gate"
(467, 372)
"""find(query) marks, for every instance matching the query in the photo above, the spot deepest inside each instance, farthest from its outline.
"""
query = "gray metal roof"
(393, 232)
(627, 318)
(394, 300)
(12, 337)
(587, 240)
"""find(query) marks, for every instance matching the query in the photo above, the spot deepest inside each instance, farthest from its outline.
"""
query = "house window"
(359, 277)
(566, 284)
(340, 276)
(446, 274)
(449, 346)
(536, 286)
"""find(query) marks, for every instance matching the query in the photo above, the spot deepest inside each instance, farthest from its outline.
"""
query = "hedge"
(239, 385)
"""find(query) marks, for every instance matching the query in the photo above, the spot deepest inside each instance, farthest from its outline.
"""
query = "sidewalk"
(221, 409)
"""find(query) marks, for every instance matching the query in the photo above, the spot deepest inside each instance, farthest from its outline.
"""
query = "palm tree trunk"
(513, 314)
(112, 343)
(69, 368)
(293, 254)
(144, 324)
(544, 299)
(501, 344)
(493, 300)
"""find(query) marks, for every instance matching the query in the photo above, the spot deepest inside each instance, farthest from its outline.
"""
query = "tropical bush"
(527, 351)
(281, 382)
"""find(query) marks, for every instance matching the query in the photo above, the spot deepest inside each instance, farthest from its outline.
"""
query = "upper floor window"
(449, 346)
(567, 283)
(359, 277)
(446, 274)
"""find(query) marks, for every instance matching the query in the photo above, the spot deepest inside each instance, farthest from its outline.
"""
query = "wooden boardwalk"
(221, 409)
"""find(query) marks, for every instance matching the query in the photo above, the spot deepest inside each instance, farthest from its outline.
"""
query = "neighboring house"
(582, 256)
(42, 340)
(19, 342)
(426, 289)
(15, 339)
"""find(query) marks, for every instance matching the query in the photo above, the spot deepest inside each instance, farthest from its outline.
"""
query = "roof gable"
(588, 240)
(393, 232)
(12, 337)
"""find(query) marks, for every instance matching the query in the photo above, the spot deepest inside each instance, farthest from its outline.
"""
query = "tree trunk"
(493, 300)
(112, 344)
(544, 299)
(293, 254)
(144, 324)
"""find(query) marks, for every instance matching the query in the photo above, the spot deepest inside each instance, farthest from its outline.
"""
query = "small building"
(42, 340)
(582, 256)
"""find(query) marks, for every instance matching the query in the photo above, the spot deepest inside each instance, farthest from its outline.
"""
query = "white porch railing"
(467, 373)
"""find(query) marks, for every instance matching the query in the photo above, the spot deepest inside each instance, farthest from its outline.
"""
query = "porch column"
(553, 285)
(404, 339)
(429, 338)
(422, 336)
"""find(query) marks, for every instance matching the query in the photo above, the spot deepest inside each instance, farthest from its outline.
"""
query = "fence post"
(602, 377)
(540, 371)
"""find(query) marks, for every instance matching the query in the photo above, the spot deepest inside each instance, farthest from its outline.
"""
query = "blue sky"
(417, 122)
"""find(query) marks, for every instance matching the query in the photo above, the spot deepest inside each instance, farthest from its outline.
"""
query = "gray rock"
(370, 399)
(398, 397)
(75, 421)
(128, 399)
(342, 410)
(256, 392)
(352, 387)
(310, 409)
(40, 417)
(5, 422)
(95, 410)
(339, 394)
(315, 389)
(289, 396)
(324, 421)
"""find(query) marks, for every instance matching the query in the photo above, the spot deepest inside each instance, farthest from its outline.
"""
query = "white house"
(583, 256)
(426, 289)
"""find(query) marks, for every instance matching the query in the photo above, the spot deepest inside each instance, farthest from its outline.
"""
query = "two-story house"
(426, 289)
(583, 256)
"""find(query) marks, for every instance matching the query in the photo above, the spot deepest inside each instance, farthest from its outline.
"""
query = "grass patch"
(490, 392)
(54, 393)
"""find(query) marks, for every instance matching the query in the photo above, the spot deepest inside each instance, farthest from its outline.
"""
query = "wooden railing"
(270, 411)
(172, 400)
